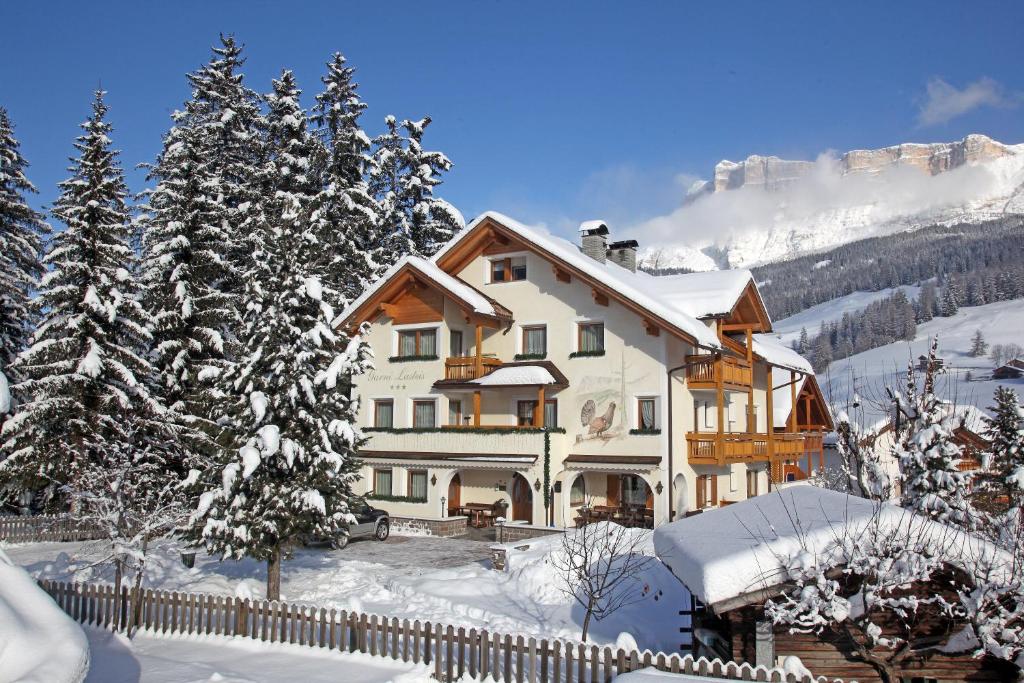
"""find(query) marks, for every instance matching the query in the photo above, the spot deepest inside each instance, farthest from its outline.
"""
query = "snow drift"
(39, 643)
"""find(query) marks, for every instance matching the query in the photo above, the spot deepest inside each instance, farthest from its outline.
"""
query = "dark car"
(370, 523)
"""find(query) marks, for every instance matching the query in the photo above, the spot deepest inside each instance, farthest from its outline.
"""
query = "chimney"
(624, 254)
(594, 239)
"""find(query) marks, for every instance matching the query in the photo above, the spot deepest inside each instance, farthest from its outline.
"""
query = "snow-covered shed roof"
(516, 375)
(737, 554)
(641, 288)
(774, 352)
(703, 295)
(459, 290)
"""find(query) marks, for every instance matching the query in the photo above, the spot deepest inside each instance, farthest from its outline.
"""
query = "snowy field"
(788, 329)
(440, 580)
(868, 373)
(154, 658)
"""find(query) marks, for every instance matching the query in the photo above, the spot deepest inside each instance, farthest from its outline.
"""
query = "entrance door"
(454, 495)
(522, 499)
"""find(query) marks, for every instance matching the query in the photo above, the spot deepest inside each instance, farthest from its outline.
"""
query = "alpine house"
(523, 377)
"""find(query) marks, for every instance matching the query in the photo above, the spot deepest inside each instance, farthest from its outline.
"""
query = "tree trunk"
(274, 574)
(135, 597)
(586, 619)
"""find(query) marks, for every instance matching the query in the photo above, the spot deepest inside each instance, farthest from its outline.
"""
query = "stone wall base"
(446, 527)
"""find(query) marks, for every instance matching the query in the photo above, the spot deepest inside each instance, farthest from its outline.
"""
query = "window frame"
(524, 329)
(640, 400)
(508, 269)
(452, 334)
(533, 412)
(452, 403)
(426, 401)
(417, 344)
(553, 402)
(377, 402)
(579, 336)
(408, 482)
(377, 471)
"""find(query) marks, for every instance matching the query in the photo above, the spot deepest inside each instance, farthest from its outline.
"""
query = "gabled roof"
(460, 292)
(637, 290)
(782, 400)
(715, 293)
(772, 351)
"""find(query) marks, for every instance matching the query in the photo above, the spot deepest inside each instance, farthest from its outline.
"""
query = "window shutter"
(714, 489)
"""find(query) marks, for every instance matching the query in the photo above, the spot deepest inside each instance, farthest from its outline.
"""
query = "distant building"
(922, 363)
(1011, 370)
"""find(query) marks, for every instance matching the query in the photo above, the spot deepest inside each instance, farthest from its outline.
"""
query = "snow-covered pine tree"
(932, 484)
(432, 220)
(292, 474)
(803, 345)
(927, 302)
(22, 230)
(84, 385)
(394, 232)
(350, 213)
(978, 346)
(1004, 472)
(193, 237)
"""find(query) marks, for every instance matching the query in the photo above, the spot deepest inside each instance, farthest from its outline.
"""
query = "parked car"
(370, 523)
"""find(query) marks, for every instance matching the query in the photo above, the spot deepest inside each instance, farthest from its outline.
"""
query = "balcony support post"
(792, 402)
(476, 407)
(770, 421)
(479, 365)
(751, 417)
(538, 413)
(720, 394)
(750, 351)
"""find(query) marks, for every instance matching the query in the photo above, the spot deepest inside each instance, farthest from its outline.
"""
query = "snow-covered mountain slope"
(767, 209)
(867, 374)
(788, 329)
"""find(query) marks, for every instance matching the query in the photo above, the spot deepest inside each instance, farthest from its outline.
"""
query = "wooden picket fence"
(450, 651)
(45, 528)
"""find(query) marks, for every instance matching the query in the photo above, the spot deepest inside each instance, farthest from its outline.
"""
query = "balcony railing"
(704, 371)
(703, 447)
(464, 367)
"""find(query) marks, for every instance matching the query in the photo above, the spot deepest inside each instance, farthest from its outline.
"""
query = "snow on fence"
(45, 528)
(451, 651)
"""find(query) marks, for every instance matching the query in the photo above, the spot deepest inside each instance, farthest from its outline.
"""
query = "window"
(707, 490)
(645, 414)
(752, 419)
(508, 269)
(578, 492)
(454, 412)
(634, 490)
(384, 413)
(551, 413)
(417, 343)
(455, 344)
(751, 484)
(591, 337)
(535, 340)
(709, 422)
(418, 484)
(524, 413)
(423, 414)
(382, 482)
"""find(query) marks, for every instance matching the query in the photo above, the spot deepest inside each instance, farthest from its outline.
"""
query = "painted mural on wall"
(602, 400)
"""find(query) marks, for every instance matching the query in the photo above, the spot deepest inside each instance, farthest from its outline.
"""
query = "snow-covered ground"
(156, 658)
(440, 580)
(868, 373)
(788, 329)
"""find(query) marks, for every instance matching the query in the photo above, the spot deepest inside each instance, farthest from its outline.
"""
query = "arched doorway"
(454, 495)
(522, 499)
(681, 497)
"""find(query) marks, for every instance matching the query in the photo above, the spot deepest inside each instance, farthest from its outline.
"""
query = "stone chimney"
(624, 254)
(594, 239)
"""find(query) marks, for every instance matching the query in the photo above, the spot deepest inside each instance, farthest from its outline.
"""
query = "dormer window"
(508, 269)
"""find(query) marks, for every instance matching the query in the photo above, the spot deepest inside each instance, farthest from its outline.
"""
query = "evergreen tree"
(293, 472)
(22, 230)
(927, 302)
(84, 391)
(932, 483)
(1004, 472)
(351, 213)
(978, 346)
(952, 297)
(802, 346)
(394, 232)
(433, 221)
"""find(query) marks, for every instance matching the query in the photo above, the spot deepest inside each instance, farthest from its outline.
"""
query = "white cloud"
(944, 102)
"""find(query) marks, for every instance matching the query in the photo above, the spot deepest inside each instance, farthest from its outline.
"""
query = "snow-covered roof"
(429, 270)
(776, 353)
(587, 226)
(525, 375)
(714, 292)
(641, 288)
(725, 554)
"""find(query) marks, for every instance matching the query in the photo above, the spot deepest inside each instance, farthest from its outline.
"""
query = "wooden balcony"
(703, 447)
(705, 372)
(464, 367)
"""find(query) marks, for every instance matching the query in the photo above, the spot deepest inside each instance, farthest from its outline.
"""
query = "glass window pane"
(406, 343)
(423, 414)
(578, 492)
(498, 271)
(524, 411)
(454, 412)
(592, 337)
(519, 270)
(418, 485)
(382, 483)
(456, 344)
(647, 413)
(550, 414)
(428, 343)
(384, 414)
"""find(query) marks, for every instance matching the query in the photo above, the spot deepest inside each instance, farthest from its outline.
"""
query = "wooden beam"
(770, 416)
(651, 328)
(561, 275)
(600, 298)
(478, 366)
(737, 327)
(751, 421)
(538, 413)
(720, 396)
(792, 402)
(750, 347)
(476, 408)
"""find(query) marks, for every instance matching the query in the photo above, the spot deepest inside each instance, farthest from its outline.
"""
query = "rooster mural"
(595, 424)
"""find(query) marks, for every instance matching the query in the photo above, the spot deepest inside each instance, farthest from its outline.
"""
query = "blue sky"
(553, 112)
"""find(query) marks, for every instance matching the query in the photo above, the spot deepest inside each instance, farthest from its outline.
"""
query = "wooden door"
(454, 495)
(612, 494)
(522, 499)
